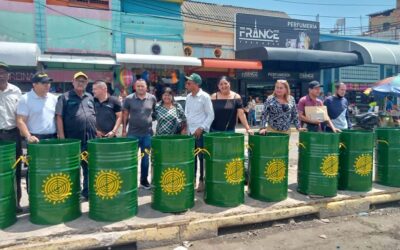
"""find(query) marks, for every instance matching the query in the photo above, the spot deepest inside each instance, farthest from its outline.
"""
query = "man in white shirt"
(9, 97)
(199, 114)
(36, 110)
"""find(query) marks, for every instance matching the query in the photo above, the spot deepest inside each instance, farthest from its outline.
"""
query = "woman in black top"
(228, 107)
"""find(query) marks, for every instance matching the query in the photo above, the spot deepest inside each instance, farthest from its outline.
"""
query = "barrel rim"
(115, 140)
(47, 142)
(7, 143)
(223, 135)
(387, 129)
(356, 131)
(172, 137)
(273, 135)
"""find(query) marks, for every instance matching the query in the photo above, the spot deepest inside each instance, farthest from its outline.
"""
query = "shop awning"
(19, 54)
(299, 59)
(231, 64)
(371, 53)
(158, 60)
(53, 58)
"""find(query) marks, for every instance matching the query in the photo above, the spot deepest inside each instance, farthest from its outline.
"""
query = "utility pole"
(361, 25)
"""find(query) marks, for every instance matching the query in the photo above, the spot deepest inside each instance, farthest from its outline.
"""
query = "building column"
(40, 24)
(116, 26)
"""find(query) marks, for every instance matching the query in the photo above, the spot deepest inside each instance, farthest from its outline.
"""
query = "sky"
(352, 10)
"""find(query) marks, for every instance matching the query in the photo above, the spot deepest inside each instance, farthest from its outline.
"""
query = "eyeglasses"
(281, 81)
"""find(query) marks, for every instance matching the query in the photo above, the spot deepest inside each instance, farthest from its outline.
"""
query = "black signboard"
(265, 31)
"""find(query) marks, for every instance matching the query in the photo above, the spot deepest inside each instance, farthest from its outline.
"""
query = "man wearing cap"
(138, 109)
(108, 111)
(36, 110)
(314, 90)
(76, 118)
(199, 113)
(9, 97)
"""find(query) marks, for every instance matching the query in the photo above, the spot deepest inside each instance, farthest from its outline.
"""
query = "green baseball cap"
(194, 78)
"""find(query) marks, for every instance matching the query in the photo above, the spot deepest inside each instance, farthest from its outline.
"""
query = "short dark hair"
(338, 84)
(167, 90)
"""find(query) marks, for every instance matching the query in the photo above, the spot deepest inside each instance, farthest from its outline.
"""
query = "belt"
(5, 131)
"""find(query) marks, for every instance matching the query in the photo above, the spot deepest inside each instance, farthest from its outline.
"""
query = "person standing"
(199, 114)
(251, 106)
(228, 107)
(169, 115)
(76, 119)
(108, 111)
(314, 91)
(138, 110)
(338, 108)
(9, 98)
(280, 111)
(36, 111)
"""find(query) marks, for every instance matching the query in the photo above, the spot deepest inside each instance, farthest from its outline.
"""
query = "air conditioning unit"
(188, 51)
(218, 52)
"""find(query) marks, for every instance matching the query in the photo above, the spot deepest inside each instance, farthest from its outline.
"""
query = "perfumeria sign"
(265, 31)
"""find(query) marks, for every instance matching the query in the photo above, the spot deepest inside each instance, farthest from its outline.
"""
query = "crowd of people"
(77, 114)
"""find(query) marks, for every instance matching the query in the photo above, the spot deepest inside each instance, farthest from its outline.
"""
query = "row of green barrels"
(54, 185)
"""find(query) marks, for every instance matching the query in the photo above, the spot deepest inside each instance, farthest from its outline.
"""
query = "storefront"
(158, 71)
(288, 49)
(23, 60)
(61, 69)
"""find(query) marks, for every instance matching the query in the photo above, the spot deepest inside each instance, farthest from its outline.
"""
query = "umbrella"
(387, 86)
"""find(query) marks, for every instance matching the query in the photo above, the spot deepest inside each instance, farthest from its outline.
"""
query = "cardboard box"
(319, 113)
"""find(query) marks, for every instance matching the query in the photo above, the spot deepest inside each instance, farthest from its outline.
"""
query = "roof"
(56, 58)
(223, 12)
(381, 12)
(19, 54)
(371, 53)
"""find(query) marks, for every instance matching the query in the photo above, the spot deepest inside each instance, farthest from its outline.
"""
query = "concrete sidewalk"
(152, 228)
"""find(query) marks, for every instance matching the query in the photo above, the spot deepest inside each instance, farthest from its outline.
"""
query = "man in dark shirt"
(76, 118)
(108, 111)
(138, 109)
(338, 108)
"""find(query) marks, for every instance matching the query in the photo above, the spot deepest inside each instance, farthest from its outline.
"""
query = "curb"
(154, 235)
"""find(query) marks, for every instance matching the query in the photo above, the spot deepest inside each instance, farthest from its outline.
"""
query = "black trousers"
(14, 136)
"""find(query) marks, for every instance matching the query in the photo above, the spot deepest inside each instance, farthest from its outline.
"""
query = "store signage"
(21, 76)
(265, 31)
(249, 74)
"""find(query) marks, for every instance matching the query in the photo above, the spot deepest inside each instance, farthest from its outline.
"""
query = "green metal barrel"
(224, 183)
(387, 156)
(54, 181)
(113, 178)
(7, 187)
(269, 157)
(318, 163)
(356, 160)
(173, 173)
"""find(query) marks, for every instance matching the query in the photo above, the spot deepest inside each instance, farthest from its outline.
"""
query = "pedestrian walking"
(108, 111)
(137, 112)
(199, 114)
(338, 108)
(76, 119)
(228, 107)
(170, 115)
(314, 91)
(9, 98)
(280, 111)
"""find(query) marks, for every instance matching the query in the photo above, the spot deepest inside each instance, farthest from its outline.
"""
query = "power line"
(331, 4)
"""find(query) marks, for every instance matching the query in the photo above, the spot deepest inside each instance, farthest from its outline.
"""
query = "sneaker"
(18, 209)
(145, 185)
(200, 187)
(83, 198)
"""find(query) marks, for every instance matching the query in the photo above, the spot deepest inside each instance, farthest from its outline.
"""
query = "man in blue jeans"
(138, 110)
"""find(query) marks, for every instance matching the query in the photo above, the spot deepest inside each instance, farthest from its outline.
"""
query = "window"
(91, 4)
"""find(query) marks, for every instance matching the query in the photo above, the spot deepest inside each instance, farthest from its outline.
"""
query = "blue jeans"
(252, 118)
(85, 189)
(144, 143)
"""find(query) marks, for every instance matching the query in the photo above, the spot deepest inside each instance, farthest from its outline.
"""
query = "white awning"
(158, 60)
(371, 53)
(19, 54)
(52, 58)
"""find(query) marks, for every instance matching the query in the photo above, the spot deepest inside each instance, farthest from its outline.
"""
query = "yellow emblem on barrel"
(363, 164)
(173, 181)
(275, 171)
(234, 171)
(107, 184)
(57, 188)
(330, 166)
